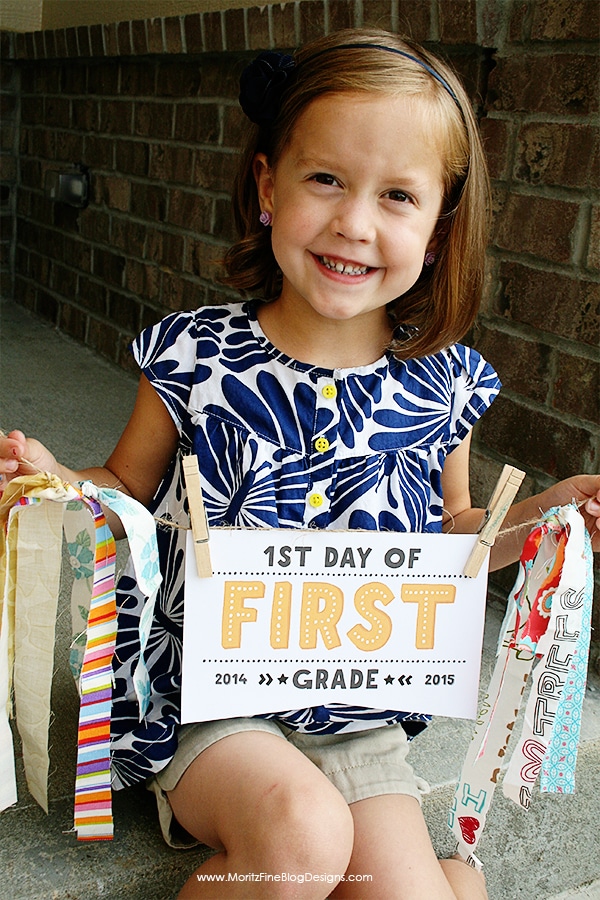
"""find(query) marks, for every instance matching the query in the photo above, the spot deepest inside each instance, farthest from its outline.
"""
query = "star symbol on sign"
(389, 679)
(283, 679)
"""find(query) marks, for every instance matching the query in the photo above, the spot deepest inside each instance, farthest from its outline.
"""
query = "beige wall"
(31, 15)
(21, 15)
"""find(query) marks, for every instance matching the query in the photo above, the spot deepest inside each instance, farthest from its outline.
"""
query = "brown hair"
(443, 303)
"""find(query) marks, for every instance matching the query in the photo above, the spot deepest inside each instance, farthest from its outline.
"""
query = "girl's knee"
(266, 807)
(310, 828)
(464, 880)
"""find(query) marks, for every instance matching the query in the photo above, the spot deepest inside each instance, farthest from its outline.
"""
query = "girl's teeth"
(344, 269)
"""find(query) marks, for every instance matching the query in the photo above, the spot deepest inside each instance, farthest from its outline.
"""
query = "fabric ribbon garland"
(548, 618)
(30, 552)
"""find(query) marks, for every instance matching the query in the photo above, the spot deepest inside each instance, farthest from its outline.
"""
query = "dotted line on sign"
(321, 574)
(435, 662)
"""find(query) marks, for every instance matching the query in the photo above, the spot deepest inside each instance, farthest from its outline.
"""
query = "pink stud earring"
(265, 218)
(429, 259)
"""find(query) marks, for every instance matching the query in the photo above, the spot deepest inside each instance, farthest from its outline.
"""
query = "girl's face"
(355, 198)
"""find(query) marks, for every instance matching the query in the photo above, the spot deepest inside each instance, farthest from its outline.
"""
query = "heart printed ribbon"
(30, 554)
(547, 620)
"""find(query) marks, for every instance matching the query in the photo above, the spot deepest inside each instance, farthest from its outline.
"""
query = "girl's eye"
(324, 178)
(399, 196)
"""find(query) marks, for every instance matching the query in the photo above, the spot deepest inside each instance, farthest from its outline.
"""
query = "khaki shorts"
(360, 764)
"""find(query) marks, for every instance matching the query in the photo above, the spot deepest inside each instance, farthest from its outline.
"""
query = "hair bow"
(262, 83)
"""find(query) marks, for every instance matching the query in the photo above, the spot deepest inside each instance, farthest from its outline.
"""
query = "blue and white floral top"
(282, 444)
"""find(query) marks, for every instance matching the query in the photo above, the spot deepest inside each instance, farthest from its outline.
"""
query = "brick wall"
(150, 107)
(539, 323)
(9, 111)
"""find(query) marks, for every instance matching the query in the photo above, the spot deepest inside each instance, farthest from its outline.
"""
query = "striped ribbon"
(93, 800)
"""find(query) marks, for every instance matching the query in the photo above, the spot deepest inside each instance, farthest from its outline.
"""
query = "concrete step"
(587, 892)
(78, 405)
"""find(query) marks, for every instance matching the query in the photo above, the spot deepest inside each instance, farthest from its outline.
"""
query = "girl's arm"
(461, 517)
(136, 465)
(146, 447)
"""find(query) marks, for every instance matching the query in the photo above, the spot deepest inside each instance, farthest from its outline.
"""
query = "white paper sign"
(294, 619)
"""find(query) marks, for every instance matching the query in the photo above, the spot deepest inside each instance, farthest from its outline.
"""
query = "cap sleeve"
(166, 354)
(475, 386)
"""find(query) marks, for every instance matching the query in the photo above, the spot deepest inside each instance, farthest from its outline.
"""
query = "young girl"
(341, 402)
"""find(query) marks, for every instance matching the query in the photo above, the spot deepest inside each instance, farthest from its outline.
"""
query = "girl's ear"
(439, 236)
(264, 182)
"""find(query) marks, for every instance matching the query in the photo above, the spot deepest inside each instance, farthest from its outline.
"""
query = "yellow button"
(316, 500)
(329, 391)
(322, 445)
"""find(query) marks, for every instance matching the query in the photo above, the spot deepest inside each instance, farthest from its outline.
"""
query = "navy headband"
(420, 62)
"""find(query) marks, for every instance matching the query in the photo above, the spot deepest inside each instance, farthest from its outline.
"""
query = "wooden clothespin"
(500, 502)
(191, 474)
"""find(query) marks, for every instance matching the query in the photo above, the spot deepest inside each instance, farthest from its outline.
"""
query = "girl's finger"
(593, 507)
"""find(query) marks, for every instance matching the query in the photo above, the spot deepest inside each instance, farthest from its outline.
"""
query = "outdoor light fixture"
(71, 187)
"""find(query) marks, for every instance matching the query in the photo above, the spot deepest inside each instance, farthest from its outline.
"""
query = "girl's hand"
(584, 490)
(20, 456)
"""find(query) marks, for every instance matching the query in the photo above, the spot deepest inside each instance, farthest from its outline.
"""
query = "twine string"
(169, 523)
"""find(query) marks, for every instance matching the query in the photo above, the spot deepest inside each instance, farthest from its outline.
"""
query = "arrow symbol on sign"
(405, 679)
(264, 678)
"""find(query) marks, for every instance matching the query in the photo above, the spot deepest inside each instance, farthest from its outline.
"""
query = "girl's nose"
(354, 220)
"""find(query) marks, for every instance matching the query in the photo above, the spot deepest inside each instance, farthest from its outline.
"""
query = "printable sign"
(293, 619)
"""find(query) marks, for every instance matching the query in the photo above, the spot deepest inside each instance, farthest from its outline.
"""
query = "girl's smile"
(343, 268)
(355, 198)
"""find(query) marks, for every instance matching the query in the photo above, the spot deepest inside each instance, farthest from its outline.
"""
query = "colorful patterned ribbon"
(93, 802)
(548, 618)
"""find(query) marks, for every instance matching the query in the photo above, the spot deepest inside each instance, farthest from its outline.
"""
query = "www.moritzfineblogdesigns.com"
(299, 878)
